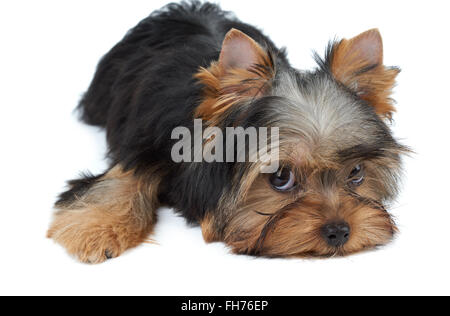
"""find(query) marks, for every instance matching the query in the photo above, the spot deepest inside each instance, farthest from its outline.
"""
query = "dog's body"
(145, 87)
(190, 61)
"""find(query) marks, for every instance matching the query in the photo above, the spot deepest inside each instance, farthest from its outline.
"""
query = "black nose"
(336, 234)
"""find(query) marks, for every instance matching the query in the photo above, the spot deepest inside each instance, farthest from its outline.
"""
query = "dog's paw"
(89, 240)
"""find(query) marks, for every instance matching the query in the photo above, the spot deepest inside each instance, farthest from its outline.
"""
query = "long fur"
(165, 73)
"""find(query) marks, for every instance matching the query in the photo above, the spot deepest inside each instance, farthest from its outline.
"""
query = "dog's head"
(339, 164)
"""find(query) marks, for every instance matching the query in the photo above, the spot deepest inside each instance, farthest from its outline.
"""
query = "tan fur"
(116, 214)
(296, 232)
(352, 56)
(225, 85)
(209, 230)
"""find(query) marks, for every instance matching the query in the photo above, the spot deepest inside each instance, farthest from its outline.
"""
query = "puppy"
(194, 67)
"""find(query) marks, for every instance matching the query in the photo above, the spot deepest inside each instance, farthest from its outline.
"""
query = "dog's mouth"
(326, 242)
(310, 227)
(356, 244)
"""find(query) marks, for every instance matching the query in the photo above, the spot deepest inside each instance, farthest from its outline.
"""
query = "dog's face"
(339, 164)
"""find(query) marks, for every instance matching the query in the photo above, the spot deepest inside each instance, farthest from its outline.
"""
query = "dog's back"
(147, 48)
(148, 77)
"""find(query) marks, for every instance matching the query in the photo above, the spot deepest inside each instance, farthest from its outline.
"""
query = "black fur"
(144, 88)
(77, 187)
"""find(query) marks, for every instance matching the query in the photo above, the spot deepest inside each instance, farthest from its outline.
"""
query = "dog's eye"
(283, 180)
(356, 177)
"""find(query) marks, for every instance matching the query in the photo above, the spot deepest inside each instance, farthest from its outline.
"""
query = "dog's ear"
(358, 64)
(243, 72)
(240, 51)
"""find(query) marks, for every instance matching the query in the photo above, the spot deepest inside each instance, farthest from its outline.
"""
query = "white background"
(48, 54)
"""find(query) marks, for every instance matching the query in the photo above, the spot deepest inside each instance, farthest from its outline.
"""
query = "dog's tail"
(97, 101)
(111, 81)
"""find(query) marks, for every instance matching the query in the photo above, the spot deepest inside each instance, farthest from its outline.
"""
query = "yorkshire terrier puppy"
(339, 164)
